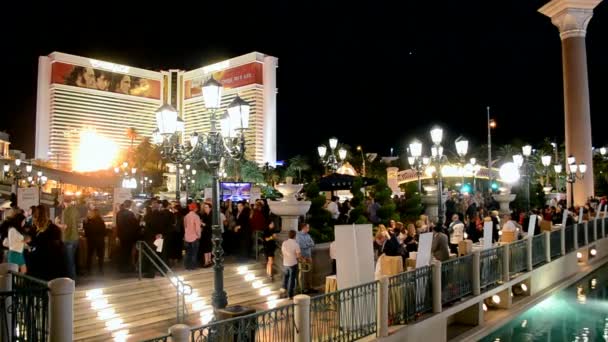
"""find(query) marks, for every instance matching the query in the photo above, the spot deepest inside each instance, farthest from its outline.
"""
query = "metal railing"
(181, 289)
(271, 325)
(456, 278)
(569, 234)
(591, 231)
(518, 256)
(556, 244)
(344, 315)
(490, 266)
(580, 235)
(601, 232)
(25, 310)
(539, 249)
(410, 295)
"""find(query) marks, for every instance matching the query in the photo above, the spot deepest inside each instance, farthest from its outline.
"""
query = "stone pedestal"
(571, 18)
(504, 200)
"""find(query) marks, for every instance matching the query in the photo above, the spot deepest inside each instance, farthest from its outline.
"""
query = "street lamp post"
(574, 172)
(360, 149)
(474, 169)
(211, 149)
(462, 147)
(330, 160)
(438, 158)
(16, 173)
(417, 162)
(491, 125)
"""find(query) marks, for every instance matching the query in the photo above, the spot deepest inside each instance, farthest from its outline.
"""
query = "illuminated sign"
(123, 69)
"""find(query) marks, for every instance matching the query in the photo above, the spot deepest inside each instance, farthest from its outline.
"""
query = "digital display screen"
(235, 191)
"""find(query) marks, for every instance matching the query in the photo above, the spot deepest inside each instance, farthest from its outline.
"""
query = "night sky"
(375, 75)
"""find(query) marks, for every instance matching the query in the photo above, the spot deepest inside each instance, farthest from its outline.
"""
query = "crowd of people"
(465, 217)
(47, 247)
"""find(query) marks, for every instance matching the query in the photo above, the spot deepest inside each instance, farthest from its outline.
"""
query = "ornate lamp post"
(16, 173)
(462, 147)
(211, 149)
(331, 161)
(574, 172)
(417, 162)
(438, 160)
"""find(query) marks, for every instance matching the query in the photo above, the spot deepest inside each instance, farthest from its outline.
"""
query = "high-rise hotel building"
(78, 94)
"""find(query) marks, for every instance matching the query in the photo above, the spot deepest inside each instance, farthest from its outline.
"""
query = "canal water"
(577, 313)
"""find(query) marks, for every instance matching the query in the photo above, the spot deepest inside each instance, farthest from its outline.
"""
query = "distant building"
(78, 93)
(4, 144)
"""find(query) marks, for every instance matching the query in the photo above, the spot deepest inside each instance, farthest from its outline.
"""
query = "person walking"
(306, 245)
(192, 235)
(95, 233)
(291, 255)
(270, 245)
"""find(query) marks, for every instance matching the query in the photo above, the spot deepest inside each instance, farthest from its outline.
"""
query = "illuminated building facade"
(82, 98)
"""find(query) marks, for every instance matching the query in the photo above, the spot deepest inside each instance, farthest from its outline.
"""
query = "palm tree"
(298, 164)
(132, 134)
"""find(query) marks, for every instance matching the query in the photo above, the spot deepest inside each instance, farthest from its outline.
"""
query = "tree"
(251, 172)
(132, 135)
(297, 164)
(319, 219)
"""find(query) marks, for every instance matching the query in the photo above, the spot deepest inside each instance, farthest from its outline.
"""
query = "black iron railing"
(580, 235)
(556, 244)
(518, 256)
(25, 310)
(591, 231)
(410, 295)
(271, 325)
(539, 250)
(490, 267)
(570, 238)
(182, 289)
(344, 315)
(456, 278)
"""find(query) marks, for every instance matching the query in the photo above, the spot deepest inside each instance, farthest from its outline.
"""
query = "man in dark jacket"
(127, 229)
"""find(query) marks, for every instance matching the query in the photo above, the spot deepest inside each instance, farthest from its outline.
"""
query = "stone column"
(571, 18)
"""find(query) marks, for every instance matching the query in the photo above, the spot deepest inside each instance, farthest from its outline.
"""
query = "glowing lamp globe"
(437, 135)
(342, 153)
(416, 148)
(582, 167)
(322, 149)
(546, 160)
(411, 161)
(238, 111)
(166, 119)
(509, 173)
(333, 143)
(526, 150)
(557, 168)
(212, 93)
(571, 159)
(462, 146)
(518, 159)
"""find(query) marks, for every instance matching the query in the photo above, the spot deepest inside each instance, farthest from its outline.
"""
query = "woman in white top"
(17, 241)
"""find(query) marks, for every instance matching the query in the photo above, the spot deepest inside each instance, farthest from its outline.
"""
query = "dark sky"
(376, 74)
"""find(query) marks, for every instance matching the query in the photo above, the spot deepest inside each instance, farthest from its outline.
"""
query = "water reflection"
(578, 313)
